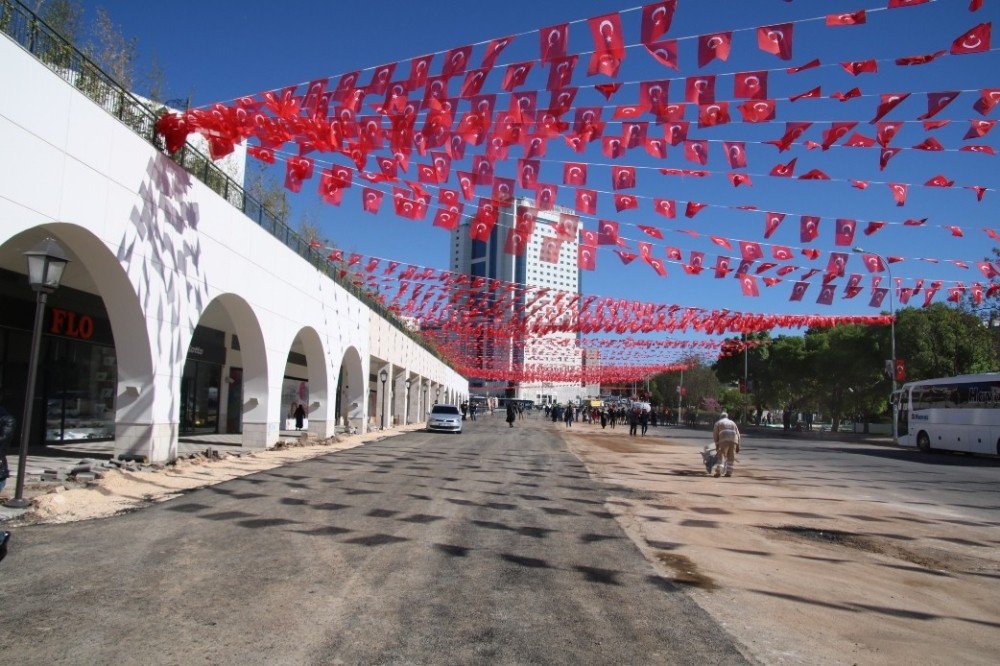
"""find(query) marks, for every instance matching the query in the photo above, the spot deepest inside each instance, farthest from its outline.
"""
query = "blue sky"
(220, 50)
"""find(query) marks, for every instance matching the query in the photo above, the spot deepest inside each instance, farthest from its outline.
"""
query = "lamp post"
(384, 376)
(892, 334)
(406, 407)
(46, 262)
(426, 389)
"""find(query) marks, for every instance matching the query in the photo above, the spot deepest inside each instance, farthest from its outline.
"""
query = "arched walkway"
(306, 381)
(224, 384)
(95, 380)
(352, 391)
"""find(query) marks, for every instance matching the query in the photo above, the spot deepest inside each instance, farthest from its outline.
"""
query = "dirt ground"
(121, 491)
(805, 577)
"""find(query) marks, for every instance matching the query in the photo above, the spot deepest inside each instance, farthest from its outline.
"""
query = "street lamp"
(384, 376)
(406, 407)
(46, 262)
(892, 333)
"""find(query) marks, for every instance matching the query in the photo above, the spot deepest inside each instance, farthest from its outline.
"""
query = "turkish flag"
(665, 52)
(836, 132)
(586, 201)
(588, 237)
(658, 266)
(653, 94)
(836, 265)
(776, 39)
(844, 231)
(750, 85)
(371, 200)
(665, 207)
(873, 262)
(749, 285)
(850, 94)
(710, 115)
(625, 202)
(515, 75)
(455, 61)
(886, 155)
(446, 219)
(736, 154)
(607, 232)
(656, 20)
(975, 40)
(979, 128)
(622, 177)
(626, 257)
(567, 227)
(467, 183)
(652, 231)
(781, 253)
(586, 258)
(939, 181)
(656, 148)
(722, 267)
(750, 250)
(574, 173)
(808, 228)
(771, 222)
(612, 147)
(545, 196)
(812, 64)
(785, 170)
(988, 98)
(889, 101)
(608, 89)
(700, 89)
(798, 291)
(899, 192)
(516, 242)
(695, 263)
(826, 294)
(483, 168)
(549, 251)
(693, 208)
(937, 101)
(714, 46)
(859, 67)
(553, 42)
(561, 72)
(757, 111)
(609, 45)
(503, 190)
(887, 132)
(297, 169)
(853, 18)
(696, 151)
(419, 68)
(674, 254)
(676, 132)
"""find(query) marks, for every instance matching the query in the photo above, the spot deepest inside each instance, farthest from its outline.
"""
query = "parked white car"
(446, 418)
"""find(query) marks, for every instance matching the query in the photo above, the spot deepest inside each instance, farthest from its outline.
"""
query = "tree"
(112, 50)
(66, 18)
(265, 188)
(941, 341)
(847, 372)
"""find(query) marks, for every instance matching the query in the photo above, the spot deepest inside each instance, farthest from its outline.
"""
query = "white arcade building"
(178, 314)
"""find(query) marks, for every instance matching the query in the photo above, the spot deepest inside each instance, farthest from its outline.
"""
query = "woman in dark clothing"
(511, 414)
(300, 414)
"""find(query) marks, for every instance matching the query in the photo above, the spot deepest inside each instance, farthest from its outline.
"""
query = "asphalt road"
(489, 547)
(950, 483)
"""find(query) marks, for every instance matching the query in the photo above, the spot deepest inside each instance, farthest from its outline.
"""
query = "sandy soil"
(903, 585)
(120, 490)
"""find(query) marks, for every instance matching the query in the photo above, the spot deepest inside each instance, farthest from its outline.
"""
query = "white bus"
(952, 413)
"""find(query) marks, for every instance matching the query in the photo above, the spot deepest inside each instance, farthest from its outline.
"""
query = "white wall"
(161, 249)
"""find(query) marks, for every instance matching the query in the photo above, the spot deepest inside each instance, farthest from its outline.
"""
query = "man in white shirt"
(726, 435)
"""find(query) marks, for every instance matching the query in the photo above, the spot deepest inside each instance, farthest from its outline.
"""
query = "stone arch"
(352, 391)
(95, 270)
(228, 320)
(319, 406)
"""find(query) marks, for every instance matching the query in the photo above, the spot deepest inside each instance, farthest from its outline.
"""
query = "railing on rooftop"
(53, 50)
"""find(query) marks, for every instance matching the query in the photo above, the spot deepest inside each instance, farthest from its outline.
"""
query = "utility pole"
(680, 396)
(746, 383)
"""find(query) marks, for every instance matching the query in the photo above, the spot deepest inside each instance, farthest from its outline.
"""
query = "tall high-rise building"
(530, 268)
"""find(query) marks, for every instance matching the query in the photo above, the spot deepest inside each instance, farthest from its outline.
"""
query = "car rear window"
(444, 409)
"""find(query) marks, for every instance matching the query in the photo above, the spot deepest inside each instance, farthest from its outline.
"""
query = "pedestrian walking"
(726, 435)
(511, 414)
(465, 410)
(633, 422)
(604, 419)
(300, 415)
(569, 416)
(643, 421)
(472, 411)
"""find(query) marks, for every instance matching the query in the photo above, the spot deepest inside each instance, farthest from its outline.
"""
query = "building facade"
(178, 314)
(530, 263)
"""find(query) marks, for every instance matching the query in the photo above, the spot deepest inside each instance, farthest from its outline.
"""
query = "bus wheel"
(923, 442)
